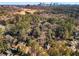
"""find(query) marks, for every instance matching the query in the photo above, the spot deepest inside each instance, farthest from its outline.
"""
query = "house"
(76, 35)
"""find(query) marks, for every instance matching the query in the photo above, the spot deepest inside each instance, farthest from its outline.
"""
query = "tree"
(69, 27)
(3, 46)
(59, 48)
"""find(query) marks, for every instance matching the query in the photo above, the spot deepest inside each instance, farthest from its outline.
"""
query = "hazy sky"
(23, 2)
(39, 0)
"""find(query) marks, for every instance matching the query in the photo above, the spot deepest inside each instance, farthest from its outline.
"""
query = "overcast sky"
(39, 0)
